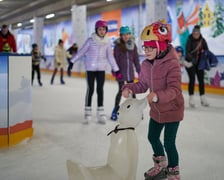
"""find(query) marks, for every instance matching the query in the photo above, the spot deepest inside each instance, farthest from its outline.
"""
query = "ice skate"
(204, 101)
(173, 173)
(61, 78)
(159, 170)
(191, 101)
(87, 115)
(62, 81)
(114, 113)
(40, 83)
(101, 116)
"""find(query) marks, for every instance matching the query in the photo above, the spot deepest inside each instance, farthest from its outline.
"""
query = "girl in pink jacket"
(161, 75)
(98, 52)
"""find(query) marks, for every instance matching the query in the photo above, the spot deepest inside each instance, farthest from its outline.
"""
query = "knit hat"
(196, 28)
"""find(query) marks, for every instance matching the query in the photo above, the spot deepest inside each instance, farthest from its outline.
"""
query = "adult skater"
(60, 56)
(7, 40)
(161, 76)
(180, 55)
(98, 51)
(126, 56)
(196, 45)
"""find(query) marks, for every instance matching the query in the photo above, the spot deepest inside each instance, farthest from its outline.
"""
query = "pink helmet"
(101, 23)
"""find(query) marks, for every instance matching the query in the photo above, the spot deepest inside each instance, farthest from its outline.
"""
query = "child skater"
(98, 51)
(161, 75)
(126, 56)
(180, 56)
(36, 58)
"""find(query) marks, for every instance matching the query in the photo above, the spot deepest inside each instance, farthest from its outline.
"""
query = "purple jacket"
(127, 59)
(98, 53)
(164, 78)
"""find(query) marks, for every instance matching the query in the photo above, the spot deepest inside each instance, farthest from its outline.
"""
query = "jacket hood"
(130, 44)
(100, 41)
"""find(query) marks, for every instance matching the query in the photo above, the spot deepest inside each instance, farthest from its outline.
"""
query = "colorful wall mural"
(182, 15)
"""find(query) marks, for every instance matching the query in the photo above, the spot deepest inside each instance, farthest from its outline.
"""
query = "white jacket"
(98, 54)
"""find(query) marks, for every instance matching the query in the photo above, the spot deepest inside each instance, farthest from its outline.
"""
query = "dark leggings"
(100, 79)
(170, 131)
(37, 69)
(119, 93)
(192, 71)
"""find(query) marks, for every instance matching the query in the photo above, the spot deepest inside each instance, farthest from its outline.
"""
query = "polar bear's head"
(131, 111)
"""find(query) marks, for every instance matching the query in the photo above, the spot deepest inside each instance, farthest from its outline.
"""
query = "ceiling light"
(19, 24)
(49, 16)
(1, 0)
(32, 20)
(109, 0)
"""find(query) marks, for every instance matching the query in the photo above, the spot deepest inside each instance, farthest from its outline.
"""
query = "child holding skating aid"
(161, 75)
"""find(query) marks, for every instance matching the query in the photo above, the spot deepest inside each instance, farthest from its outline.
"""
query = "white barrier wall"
(16, 98)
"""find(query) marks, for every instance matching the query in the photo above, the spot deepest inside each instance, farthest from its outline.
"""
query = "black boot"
(53, 75)
(62, 73)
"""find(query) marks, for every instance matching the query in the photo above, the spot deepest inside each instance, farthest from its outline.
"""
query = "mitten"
(117, 74)
(188, 64)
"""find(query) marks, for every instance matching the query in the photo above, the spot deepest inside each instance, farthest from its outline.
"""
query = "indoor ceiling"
(21, 11)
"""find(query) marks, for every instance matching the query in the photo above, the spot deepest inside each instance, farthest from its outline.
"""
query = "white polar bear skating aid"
(122, 158)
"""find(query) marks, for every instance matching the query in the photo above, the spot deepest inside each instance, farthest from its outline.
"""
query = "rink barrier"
(208, 88)
(16, 98)
(16, 133)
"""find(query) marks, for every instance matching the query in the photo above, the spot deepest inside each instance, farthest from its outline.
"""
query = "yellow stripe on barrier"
(3, 141)
(17, 137)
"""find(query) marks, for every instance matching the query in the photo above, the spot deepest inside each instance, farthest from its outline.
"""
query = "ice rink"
(59, 135)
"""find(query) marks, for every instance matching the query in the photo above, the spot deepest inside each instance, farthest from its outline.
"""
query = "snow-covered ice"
(59, 135)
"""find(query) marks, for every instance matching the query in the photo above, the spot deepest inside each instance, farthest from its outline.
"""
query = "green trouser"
(170, 131)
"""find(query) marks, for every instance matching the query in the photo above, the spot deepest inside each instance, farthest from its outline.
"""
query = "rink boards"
(16, 99)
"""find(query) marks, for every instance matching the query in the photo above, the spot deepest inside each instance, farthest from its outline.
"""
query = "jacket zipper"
(152, 88)
(128, 66)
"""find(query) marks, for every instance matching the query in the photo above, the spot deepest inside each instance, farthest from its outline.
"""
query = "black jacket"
(193, 49)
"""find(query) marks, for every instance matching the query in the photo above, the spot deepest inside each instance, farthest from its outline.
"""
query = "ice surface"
(59, 135)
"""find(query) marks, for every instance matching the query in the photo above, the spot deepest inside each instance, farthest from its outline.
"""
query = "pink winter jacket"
(164, 78)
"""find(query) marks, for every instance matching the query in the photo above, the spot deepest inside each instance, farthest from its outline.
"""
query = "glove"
(187, 64)
(117, 74)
